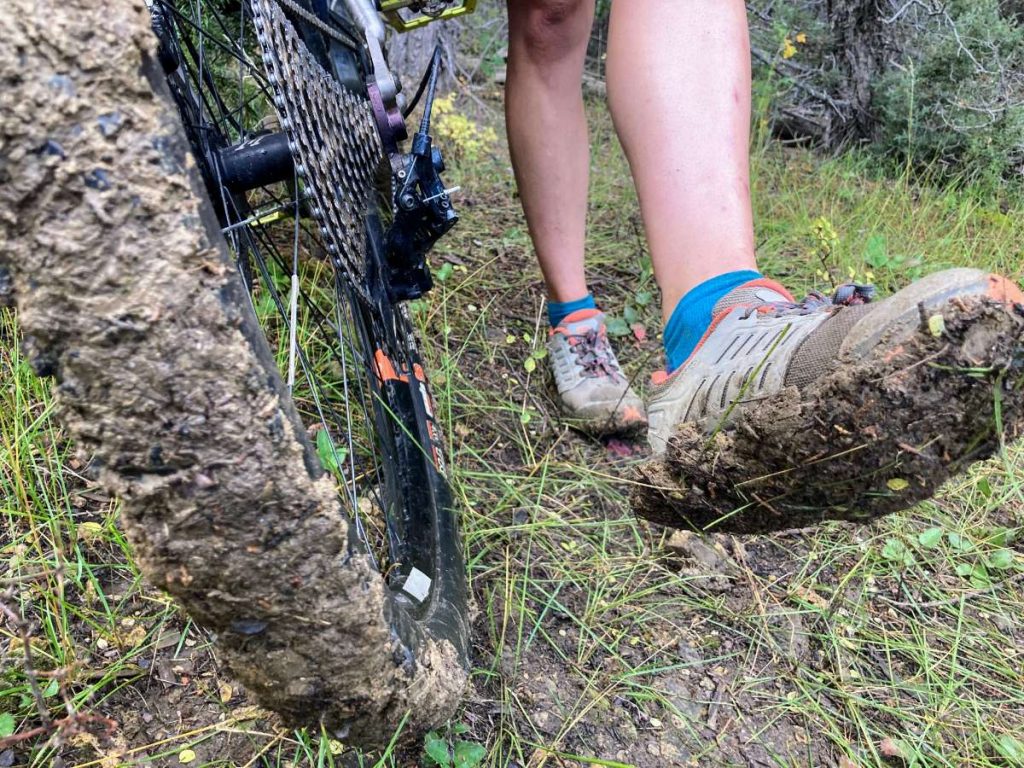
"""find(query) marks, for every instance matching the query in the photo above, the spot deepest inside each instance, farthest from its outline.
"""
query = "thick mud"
(862, 441)
(167, 386)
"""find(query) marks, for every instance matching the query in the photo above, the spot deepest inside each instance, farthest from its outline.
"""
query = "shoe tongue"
(752, 294)
(583, 320)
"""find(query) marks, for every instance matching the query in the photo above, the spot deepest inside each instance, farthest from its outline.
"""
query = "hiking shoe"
(761, 340)
(848, 410)
(593, 391)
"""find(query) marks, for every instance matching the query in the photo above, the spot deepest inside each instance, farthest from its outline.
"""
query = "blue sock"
(559, 310)
(692, 315)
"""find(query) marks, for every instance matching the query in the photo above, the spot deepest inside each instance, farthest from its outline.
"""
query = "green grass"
(593, 644)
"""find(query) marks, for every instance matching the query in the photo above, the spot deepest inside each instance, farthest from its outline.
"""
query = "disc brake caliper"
(423, 213)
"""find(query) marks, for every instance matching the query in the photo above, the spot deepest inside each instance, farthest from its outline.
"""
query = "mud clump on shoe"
(864, 440)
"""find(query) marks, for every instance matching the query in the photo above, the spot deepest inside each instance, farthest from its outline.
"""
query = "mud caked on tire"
(126, 294)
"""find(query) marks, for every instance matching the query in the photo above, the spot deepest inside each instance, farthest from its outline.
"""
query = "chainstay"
(332, 136)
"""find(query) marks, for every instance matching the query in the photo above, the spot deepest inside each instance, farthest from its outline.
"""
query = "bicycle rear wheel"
(154, 331)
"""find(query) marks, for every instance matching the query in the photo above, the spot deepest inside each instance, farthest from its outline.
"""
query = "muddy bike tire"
(128, 295)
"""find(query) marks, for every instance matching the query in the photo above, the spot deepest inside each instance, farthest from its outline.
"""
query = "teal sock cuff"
(559, 310)
(692, 315)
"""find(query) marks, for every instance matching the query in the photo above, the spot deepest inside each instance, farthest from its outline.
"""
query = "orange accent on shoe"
(419, 373)
(631, 415)
(385, 368)
(1005, 291)
(574, 317)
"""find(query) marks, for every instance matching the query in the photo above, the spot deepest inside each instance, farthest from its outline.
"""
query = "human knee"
(550, 29)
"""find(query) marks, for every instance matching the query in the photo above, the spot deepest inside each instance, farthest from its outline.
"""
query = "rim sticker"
(417, 585)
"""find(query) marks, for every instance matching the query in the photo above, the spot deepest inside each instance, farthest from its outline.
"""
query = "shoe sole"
(606, 426)
(901, 314)
(872, 437)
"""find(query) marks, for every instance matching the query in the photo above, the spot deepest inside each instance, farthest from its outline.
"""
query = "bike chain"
(332, 136)
(315, 21)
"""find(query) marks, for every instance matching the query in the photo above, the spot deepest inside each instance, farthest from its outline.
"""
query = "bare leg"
(547, 133)
(679, 90)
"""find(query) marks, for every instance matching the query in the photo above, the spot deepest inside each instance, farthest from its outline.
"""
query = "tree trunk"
(409, 54)
(858, 45)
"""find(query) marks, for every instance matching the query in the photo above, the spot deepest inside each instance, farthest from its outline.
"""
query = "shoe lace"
(846, 295)
(594, 354)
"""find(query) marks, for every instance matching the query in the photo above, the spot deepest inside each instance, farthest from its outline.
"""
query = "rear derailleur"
(422, 207)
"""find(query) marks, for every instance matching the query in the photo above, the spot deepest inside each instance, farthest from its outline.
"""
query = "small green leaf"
(937, 325)
(959, 542)
(540, 353)
(1011, 748)
(985, 487)
(964, 569)
(617, 327)
(51, 690)
(643, 298)
(525, 417)
(330, 455)
(186, 756)
(460, 728)
(629, 315)
(444, 272)
(436, 750)
(1001, 537)
(468, 754)
(897, 484)
(1000, 559)
(894, 549)
(875, 252)
(510, 339)
(6, 724)
(931, 538)
(530, 364)
(979, 577)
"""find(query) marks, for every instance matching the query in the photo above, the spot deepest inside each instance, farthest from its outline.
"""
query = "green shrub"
(944, 78)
